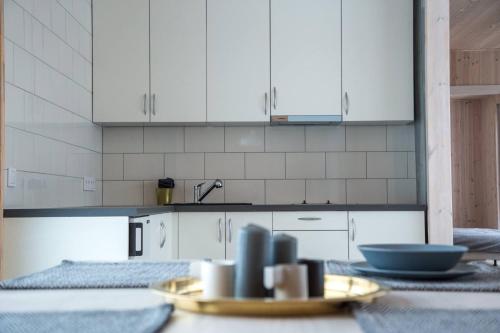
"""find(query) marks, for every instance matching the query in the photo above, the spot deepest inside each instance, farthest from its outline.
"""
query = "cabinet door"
(234, 221)
(161, 243)
(306, 57)
(321, 244)
(201, 235)
(384, 227)
(238, 60)
(120, 60)
(178, 61)
(377, 60)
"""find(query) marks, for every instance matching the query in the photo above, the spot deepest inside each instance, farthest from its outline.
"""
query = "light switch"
(89, 184)
(11, 177)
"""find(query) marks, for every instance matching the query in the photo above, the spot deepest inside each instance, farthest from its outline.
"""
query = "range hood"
(306, 119)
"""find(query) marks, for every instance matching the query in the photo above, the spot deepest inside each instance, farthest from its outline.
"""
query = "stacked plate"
(413, 261)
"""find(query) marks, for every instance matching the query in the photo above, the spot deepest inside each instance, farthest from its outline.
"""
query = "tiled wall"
(50, 138)
(340, 164)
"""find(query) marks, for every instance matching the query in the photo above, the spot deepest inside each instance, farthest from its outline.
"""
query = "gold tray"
(186, 294)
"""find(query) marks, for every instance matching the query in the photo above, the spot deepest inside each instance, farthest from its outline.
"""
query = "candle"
(283, 249)
(252, 255)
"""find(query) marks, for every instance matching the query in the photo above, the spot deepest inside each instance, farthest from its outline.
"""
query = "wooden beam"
(437, 95)
(474, 91)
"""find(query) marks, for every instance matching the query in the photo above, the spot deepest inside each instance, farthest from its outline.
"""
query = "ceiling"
(474, 24)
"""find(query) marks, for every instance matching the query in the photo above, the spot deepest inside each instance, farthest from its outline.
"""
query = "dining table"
(123, 299)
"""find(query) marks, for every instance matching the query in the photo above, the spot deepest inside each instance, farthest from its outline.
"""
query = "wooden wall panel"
(476, 67)
(475, 163)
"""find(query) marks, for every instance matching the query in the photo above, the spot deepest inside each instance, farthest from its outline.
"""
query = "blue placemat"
(378, 318)
(77, 274)
(147, 320)
(486, 279)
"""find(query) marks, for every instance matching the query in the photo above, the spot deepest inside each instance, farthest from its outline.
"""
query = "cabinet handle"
(230, 227)
(265, 103)
(163, 235)
(153, 104)
(346, 106)
(144, 109)
(275, 98)
(353, 227)
(219, 231)
(309, 218)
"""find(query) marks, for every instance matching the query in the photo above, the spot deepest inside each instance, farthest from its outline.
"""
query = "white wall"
(50, 138)
(262, 164)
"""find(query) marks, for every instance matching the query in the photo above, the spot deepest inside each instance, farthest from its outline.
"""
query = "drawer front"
(324, 245)
(310, 221)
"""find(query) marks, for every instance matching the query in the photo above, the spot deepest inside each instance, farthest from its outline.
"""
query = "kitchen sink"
(213, 204)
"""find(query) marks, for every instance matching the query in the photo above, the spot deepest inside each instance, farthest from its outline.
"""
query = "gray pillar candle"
(252, 255)
(283, 249)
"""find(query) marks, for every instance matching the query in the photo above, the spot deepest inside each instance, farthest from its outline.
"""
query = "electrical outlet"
(89, 184)
(11, 177)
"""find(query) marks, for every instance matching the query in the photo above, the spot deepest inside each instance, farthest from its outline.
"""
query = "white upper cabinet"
(306, 57)
(238, 68)
(178, 60)
(120, 60)
(377, 60)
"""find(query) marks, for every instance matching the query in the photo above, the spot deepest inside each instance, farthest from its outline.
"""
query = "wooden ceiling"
(474, 24)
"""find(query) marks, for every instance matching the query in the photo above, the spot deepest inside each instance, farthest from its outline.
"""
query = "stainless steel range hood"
(306, 119)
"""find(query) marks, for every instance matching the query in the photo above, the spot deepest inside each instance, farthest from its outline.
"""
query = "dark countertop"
(143, 211)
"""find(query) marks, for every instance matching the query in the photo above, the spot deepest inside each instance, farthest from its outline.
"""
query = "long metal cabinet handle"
(153, 104)
(353, 234)
(219, 231)
(311, 218)
(144, 109)
(230, 227)
(163, 237)
(265, 103)
(275, 98)
(346, 95)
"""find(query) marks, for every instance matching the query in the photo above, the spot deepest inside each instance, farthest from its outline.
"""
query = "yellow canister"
(164, 196)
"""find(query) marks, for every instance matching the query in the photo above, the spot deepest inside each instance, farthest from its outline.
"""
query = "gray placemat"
(377, 318)
(486, 279)
(78, 274)
(147, 320)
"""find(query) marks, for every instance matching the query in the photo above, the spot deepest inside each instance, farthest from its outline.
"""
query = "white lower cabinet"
(202, 235)
(320, 244)
(235, 221)
(160, 237)
(37, 243)
(384, 227)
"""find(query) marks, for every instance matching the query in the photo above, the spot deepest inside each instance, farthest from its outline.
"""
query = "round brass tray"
(186, 294)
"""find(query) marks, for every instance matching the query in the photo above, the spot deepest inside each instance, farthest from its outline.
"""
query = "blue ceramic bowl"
(412, 257)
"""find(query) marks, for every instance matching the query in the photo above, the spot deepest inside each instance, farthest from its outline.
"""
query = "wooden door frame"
(438, 126)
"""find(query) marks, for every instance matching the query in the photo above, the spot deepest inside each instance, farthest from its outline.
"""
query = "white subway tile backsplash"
(224, 165)
(14, 22)
(72, 32)
(346, 165)
(402, 191)
(24, 69)
(366, 191)
(82, 12)
(285, 139)
(119, 193)
(163, 139)
(265, 165)
(122, 139)
(112, 166)
(52, 148)
(245, 191)
(387, 165)
(185, 166)
(400, 138)
(143, 166)
(366, 138)
(326, 190)
(305, 165)
(204, 139)
(244, 139)
(285, 191)
(325, 138)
